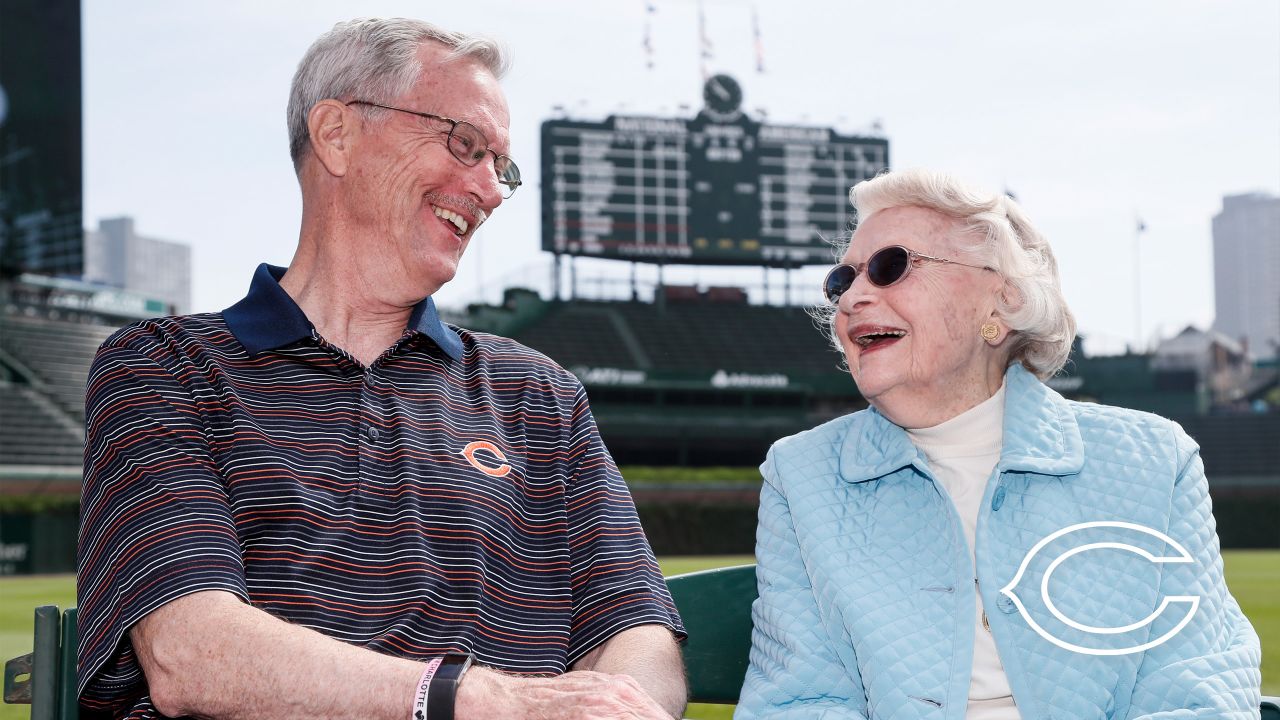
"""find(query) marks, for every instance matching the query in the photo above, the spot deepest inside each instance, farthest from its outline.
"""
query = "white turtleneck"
(962, 452)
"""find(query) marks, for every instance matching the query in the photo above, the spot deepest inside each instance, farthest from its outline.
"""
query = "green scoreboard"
(720, 188)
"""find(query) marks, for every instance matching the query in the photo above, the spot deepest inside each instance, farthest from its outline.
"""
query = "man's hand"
(648, 654)
(636, 674)
(578, 695)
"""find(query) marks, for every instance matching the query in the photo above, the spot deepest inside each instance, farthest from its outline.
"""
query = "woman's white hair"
(997, 234)
(375, 59)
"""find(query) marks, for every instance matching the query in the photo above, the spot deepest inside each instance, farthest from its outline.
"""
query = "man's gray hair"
(375, 59)
(999, 235)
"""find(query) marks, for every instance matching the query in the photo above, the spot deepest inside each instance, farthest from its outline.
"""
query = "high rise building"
(116, 255)
(1246, 271)
(41, 225)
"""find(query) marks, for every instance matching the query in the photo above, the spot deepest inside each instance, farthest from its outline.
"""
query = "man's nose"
(482, 184)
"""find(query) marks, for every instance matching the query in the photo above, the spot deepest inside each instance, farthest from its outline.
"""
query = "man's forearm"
(210, 655)
(650, 655)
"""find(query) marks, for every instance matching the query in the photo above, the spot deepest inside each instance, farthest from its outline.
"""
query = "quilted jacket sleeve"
(795, 670)
(1211, 668)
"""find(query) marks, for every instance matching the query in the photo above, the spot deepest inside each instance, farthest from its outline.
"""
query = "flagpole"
(704, 42)
(649, 10)
(759, 44)
(1139, 228)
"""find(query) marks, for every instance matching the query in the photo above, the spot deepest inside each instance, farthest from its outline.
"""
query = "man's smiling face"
(414, 204)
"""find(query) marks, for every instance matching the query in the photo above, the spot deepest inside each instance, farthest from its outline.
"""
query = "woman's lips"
(870, 337)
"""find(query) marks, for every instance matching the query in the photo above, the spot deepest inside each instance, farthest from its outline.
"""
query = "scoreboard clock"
(718, 188)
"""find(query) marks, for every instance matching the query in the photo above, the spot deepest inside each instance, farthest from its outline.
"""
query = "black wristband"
(443, 692)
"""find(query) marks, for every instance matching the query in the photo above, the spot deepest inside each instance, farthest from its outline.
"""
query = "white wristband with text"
(420, 694)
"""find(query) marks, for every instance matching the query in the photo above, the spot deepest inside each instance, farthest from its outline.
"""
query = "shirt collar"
(1040, 435)
(267, 318)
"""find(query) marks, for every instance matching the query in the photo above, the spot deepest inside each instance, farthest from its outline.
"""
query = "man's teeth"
(452, 217)
(865, 340)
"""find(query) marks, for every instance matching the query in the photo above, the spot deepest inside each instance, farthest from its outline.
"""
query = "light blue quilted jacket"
(867, 590)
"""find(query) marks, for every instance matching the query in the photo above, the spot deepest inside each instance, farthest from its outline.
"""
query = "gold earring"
(990, 331)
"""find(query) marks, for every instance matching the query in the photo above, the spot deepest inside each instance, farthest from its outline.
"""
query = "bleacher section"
(30, 434)
(57, 353)
(705, 335)
(583, 334)
(44, 363)
(699, 336)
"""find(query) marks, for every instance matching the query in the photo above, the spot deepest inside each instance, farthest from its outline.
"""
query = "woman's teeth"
(865, 340)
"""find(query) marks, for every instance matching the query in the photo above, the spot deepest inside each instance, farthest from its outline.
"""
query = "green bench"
(714, 604)
(45, 678)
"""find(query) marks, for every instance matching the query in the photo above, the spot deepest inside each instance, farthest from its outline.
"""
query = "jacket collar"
(267, 318)
(1040, 436)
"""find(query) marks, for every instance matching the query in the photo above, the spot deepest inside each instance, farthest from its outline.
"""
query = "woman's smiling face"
(914, 348)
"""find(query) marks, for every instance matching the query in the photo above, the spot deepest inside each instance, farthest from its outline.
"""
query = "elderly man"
(324, 502)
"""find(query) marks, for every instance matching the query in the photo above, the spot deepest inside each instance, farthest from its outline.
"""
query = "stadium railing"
(715, 606)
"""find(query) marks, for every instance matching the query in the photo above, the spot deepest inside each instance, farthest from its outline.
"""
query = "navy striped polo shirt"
(453, 496)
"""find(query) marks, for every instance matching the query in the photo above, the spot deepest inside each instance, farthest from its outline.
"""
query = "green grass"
(1252, 575)
(650, 475)
(681, 565)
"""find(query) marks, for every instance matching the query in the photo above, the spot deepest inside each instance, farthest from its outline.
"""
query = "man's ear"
(331, 126)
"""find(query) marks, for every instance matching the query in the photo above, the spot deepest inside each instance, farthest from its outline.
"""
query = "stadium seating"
(682, 336)
(31, 433)
(44, 363)
(584, 334)
(698, 336)
(715, 606)
(58, 353)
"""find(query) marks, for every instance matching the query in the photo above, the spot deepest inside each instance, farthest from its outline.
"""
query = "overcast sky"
(1094, 113)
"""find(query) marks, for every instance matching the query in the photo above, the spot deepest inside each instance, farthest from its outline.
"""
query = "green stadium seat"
(714, 604)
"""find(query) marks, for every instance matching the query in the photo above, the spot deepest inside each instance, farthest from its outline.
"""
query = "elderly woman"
(974, 545)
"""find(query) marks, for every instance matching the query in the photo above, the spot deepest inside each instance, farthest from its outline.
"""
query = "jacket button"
(372, 433)
(1005, 603)
(998, 499)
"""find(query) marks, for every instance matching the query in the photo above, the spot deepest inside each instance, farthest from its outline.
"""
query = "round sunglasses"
(886, 266)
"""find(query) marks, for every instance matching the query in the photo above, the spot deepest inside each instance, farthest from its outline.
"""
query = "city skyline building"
(1246, 272)
(117, 256)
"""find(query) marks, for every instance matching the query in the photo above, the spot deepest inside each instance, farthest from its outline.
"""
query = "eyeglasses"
(467, 144)
(886, 266)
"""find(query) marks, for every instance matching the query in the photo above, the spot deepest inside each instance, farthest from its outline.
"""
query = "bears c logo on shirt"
(469, 452)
